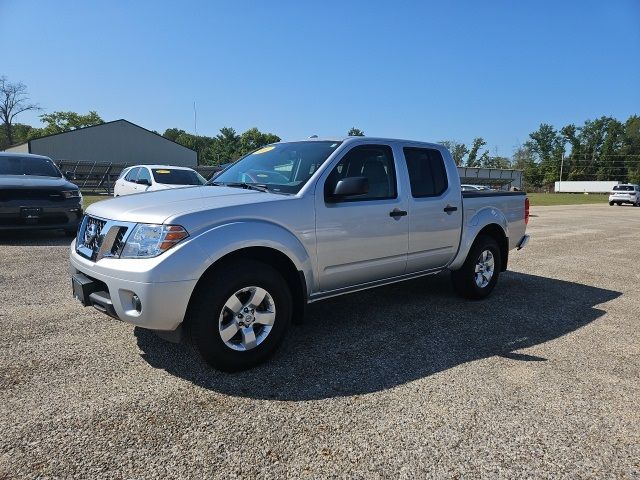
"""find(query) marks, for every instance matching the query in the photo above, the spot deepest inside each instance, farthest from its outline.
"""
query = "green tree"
(524, 159)
(631, 148)
(14, 100)
(458, 150)
(548, 145)
(472, 159)
(355, 132)
(58, 122)
(253, 139)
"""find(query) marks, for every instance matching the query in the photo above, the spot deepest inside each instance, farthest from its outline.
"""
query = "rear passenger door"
(435, 209)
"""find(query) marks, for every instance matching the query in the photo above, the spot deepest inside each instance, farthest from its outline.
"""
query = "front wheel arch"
(295, 279)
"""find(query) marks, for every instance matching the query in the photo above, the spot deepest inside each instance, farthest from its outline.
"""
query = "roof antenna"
(313, 136)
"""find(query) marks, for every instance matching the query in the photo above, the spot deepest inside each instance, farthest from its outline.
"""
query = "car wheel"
(239, 315)
(70, 232)
(479, 273)
(611, 204)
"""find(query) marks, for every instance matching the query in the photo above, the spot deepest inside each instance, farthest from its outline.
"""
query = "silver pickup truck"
(229, 265)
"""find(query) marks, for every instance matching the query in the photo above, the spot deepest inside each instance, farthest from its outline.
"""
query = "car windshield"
(282, 167)
(626, 188)
(41, 167)
(171, 176)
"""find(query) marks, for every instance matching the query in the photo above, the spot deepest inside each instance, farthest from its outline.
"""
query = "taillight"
(526, 211)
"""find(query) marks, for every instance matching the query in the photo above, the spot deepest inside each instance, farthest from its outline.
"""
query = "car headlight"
(71, 194)
(149, 240)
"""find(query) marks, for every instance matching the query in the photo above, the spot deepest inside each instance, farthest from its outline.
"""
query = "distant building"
(117, 142)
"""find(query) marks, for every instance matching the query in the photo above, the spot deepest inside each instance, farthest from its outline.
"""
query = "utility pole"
(195, 119)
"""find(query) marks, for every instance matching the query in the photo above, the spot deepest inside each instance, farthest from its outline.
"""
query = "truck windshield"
(282, 167)
(41, 167)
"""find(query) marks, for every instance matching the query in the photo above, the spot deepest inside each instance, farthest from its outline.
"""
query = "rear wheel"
(239, 315)
(479, 273)
(611, 204)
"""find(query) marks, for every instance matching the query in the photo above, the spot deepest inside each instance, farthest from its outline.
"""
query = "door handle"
(450, 208)
(396, 212)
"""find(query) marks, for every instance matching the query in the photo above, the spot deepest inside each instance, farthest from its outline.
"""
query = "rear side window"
(626, 188)
(132, 175)
(427, 173)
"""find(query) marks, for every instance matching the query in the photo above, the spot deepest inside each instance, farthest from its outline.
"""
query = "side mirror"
(350, 186)
(143, 181)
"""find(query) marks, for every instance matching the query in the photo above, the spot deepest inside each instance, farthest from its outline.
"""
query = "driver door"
(363, 238)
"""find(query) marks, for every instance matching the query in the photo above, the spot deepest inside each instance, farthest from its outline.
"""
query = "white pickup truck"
(228, 266)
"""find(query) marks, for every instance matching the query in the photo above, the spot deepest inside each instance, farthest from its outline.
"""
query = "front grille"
(118, 243)
(43, 194)
(99, 238)
(92, 233)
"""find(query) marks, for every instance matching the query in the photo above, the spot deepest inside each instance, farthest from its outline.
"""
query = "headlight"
(71, 194)
(148, 240)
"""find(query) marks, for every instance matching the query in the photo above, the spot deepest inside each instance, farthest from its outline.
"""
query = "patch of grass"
(89, 199)
(542, 199)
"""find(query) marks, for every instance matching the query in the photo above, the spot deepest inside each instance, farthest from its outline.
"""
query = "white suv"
(627, 193)
(147, 178)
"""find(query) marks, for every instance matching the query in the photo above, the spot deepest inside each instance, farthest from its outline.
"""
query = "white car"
(474, 188)
(628, 193)
(148, 178)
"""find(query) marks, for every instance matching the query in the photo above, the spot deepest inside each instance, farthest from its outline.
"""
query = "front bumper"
(34, 215)
(162, 305)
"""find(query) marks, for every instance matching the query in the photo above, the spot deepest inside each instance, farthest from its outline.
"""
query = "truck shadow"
(377, 339)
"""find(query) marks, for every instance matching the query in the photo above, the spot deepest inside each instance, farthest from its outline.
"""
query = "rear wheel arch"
(498, 234)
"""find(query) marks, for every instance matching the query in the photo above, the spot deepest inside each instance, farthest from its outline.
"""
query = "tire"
(209, 317)
(619, 203)
(70, 233)
(465, 280)
(611, 204)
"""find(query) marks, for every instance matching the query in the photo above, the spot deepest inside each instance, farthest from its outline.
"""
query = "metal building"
(117, 142)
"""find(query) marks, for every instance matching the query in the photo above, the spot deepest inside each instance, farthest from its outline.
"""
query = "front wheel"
(239, 315)
(479, 273)
(611, 204)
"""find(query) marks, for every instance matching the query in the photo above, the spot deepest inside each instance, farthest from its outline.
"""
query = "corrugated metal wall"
(115, 142)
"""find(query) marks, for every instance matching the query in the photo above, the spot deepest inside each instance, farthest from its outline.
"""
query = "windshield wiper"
(248, 186)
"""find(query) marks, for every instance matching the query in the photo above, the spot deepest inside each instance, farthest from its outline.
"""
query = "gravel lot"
(540, 380)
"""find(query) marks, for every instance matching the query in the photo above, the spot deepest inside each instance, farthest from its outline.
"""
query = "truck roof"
(368, 139)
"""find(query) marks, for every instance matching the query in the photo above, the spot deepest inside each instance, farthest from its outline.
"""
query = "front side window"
(144, 175)
(174, 176)
(427, 173)
(375, 162)
(281, 167)
(132, 175)
(39, 167)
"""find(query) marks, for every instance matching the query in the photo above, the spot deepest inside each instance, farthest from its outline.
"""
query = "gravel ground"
(540, 380)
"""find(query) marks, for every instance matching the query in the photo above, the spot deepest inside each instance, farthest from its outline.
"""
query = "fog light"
(137, 304)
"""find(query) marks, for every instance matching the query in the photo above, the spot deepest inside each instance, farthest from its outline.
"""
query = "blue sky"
(410, 69)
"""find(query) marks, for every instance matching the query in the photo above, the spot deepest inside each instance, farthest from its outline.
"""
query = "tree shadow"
(377, 339)
(34, 238)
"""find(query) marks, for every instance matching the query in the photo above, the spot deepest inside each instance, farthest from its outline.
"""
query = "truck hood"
(158, 206)
(35, 181)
